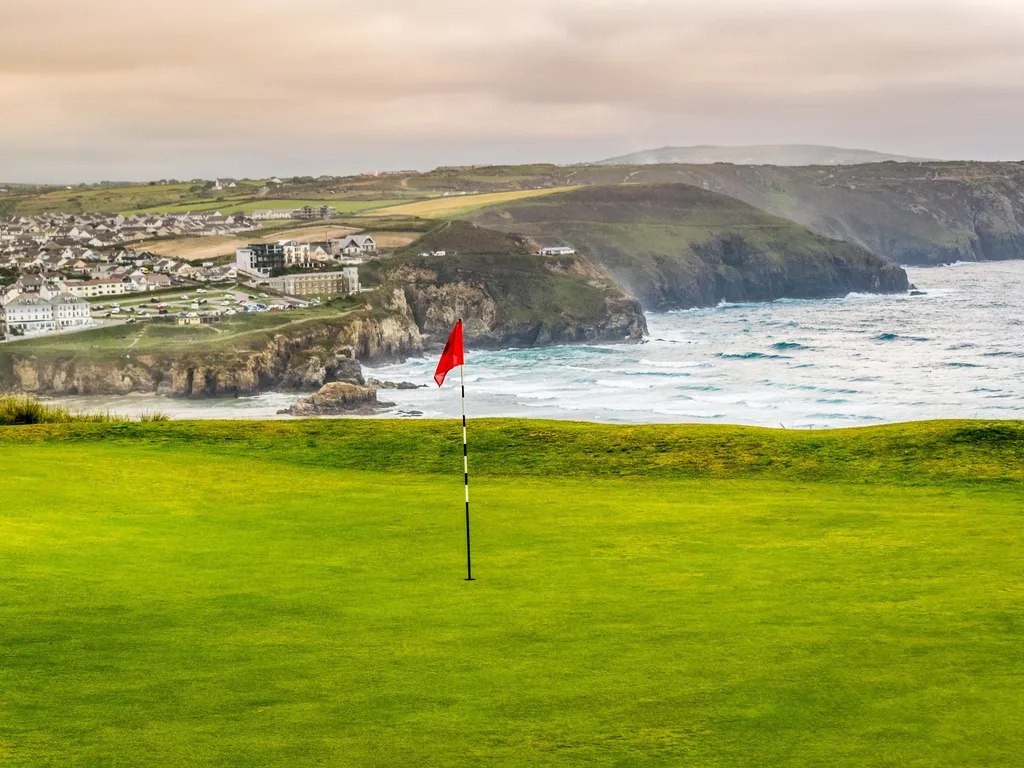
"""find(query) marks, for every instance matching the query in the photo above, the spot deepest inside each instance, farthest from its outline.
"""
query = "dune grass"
(18, 410)
(292, 594)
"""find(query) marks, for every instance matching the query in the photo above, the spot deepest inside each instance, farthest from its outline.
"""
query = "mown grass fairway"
(187, 594)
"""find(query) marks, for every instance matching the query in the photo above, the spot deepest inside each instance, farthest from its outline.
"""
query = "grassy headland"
(291, 593)
(677, 246)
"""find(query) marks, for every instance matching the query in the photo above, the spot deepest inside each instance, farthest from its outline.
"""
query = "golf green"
(186, 594)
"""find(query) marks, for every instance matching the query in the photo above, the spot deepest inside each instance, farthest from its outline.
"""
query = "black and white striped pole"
(465, 471)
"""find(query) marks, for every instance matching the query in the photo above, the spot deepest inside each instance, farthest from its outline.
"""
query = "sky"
(118, 89)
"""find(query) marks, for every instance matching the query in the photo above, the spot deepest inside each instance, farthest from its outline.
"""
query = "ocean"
(955, 352)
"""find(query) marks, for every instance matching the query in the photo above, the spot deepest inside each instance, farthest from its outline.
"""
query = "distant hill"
(762, 154)
(675, 246)
(909, 213)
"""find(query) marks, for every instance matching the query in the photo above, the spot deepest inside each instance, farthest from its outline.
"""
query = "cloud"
(112, 83)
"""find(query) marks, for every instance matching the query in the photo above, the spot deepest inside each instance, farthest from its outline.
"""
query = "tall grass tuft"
(17, 410)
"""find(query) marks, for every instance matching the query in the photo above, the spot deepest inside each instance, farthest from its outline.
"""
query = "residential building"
(92, 289)
(295, 254)
(318, 283)
(271, 214)
(260, 259)
(35, 315)
(354, 244)
(320, 252)
(313, 212)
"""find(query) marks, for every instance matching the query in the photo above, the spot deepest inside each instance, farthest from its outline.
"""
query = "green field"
(237, 332)
(248, 205)
(291, 593)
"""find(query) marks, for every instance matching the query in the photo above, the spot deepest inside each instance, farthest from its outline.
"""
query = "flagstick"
(465, 471)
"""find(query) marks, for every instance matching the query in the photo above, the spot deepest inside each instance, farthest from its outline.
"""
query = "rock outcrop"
(338, 398)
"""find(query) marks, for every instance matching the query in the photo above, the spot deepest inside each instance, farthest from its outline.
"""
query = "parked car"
(154, 300)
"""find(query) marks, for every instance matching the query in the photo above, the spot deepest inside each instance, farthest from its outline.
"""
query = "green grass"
(234, 204)
(17, 410)
(243, 331)
(291, 594)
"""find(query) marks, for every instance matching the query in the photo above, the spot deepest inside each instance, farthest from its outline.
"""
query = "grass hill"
(677, 246)
(506, 293)
(292, 594)
(921, 212)
(761, 154)
(911, 213)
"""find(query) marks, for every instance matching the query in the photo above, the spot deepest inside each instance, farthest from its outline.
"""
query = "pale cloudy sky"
(138, 89)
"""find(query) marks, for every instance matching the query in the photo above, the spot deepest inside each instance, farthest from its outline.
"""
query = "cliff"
(507, 297)
(506, 294)
(676, 246)
(303, 358)
(908, 213)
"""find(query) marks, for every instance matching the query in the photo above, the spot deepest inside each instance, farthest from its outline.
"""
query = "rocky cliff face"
(507, 295)
(908, 213)
(301, 360)
(416, 306)
(674, 246)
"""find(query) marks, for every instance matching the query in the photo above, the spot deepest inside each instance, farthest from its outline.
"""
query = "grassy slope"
(270, 594)
(238, 333)
(679, 246)
(529, 292)
(458, 206)
(248, 205)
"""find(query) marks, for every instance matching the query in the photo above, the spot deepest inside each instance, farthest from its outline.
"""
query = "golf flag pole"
(454, 357)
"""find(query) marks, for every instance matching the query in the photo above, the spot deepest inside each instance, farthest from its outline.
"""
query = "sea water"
(955, 352)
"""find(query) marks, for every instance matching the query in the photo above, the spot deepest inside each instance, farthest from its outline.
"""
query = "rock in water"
(338, 398)
(394, 384)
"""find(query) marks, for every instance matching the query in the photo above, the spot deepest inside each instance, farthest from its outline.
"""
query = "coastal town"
(56, 269)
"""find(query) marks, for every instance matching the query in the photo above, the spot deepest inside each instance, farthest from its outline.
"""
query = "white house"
(353, 244)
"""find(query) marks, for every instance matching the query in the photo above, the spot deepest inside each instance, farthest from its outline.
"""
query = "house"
(320, 252)
(354, 244)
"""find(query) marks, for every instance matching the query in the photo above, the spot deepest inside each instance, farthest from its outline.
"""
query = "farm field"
(247, 204)
(452, 206)
(292, 593)
(213, 247)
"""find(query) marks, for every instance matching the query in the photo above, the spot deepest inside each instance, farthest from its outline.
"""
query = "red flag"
(452, 355)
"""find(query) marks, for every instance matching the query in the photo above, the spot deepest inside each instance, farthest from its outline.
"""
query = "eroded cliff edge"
(507, 298)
